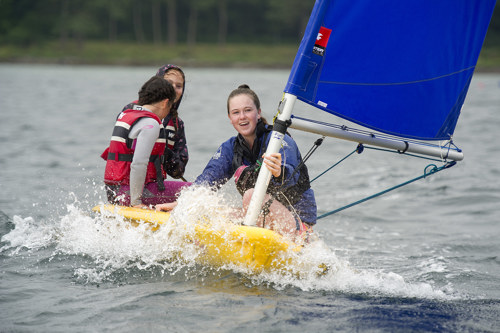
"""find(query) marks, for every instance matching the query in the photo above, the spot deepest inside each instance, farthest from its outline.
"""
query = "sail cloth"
(398, 67)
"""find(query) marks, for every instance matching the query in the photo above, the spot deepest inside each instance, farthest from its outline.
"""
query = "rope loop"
(430, 169)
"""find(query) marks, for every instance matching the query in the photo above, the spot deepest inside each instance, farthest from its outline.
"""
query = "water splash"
(112, 249)
(27, 235)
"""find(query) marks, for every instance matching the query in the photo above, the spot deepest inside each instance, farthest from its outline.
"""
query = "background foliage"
(76, 29)
(24, 22)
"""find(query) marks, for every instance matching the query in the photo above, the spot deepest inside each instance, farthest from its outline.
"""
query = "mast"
(277, 135)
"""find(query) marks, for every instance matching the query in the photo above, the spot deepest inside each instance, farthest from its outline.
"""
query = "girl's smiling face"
(175, 78)
(244, 115)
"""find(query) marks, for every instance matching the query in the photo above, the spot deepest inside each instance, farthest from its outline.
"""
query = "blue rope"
(321, 174)
(358, 149)
(429, 170)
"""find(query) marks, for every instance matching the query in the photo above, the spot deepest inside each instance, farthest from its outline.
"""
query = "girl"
(289, 207)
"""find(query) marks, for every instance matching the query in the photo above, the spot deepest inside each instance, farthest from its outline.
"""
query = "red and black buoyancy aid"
(120, 152)
(168, 123)
(170, 129)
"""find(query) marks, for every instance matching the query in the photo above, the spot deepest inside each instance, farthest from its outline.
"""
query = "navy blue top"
(220, 169)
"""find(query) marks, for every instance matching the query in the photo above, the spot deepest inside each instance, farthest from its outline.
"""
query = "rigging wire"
(358, 149)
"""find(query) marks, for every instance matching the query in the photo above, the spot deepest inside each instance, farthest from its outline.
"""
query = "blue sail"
(398, 67)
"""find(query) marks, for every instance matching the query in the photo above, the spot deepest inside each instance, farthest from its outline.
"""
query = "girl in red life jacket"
(134, 174)
(176, 153)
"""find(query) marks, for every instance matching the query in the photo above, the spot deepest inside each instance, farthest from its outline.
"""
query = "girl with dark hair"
(134, 174)
(176, 153)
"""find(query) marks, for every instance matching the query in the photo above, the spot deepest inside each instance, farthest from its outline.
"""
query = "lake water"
(424, 258)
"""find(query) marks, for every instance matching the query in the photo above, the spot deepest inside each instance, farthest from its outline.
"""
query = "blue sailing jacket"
(220, 169)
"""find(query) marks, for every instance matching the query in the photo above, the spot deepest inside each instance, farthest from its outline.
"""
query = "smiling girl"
(289, 206)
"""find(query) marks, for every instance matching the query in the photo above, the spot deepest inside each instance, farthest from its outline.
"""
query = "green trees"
(57, 28)
(27, 22)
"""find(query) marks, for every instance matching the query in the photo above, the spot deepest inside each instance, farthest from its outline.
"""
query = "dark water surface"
(424, 258)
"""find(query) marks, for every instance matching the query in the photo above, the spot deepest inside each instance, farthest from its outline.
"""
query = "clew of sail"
(400, 68)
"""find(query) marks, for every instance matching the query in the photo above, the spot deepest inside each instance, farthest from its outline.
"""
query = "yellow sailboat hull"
(248, 247)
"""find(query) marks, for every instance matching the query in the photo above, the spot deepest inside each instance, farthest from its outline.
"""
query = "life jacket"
(170, 125)
(120, 152)
(288, 194)
(170, 130)
(173, 165)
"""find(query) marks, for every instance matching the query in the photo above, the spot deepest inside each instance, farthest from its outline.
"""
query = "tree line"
(28, 22)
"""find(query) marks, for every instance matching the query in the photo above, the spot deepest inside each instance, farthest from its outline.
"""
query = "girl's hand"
(142, 206)
(273, 163)
(166, 206)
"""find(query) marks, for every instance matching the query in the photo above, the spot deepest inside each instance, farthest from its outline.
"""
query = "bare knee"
(247, 196)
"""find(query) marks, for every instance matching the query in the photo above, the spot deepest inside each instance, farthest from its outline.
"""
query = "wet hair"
(161, 73)
(244, 89)
(155, 90)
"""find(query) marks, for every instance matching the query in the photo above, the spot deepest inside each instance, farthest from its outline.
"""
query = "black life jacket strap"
(120, 157)
(157, 161)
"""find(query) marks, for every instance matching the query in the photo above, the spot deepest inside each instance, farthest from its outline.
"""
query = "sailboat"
(398, 69)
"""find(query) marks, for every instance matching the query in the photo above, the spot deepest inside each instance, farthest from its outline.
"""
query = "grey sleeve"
(145, 132)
